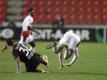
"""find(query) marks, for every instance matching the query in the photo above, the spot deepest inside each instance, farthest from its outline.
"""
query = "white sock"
(74, 57)
(73, 60)
(76, 52)
(67, 54)
(60, 58)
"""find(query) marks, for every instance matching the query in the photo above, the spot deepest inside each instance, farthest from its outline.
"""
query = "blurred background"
(52, 18)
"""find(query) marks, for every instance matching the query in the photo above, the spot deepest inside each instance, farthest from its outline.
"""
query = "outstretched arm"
(29, 28)
(57, 48)
(4, 48)
(35, 31)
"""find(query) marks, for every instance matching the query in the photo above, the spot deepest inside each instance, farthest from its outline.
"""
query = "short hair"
(30, 10)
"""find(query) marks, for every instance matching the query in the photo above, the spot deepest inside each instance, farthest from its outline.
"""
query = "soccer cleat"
(50, 45)
(45, 58)
(42, 71)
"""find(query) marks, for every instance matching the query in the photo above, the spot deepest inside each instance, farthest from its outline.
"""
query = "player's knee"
(32, 44)
(76, 56)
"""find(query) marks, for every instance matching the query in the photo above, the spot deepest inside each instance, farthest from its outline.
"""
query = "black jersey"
(22, 50)
(27, 56)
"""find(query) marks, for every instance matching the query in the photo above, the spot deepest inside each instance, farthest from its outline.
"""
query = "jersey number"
(26, 51)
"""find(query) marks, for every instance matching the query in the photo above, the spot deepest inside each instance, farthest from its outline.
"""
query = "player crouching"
(31, 60)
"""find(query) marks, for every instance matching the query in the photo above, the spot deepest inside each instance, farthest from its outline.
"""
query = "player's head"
(31, 11)
(9, 39)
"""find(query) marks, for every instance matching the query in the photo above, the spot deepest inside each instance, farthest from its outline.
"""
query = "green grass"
(91, 64)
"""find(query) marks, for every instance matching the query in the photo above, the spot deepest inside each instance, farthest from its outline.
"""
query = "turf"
(91, 64)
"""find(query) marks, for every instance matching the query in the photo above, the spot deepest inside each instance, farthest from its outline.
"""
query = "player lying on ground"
(31, 60)
(9, 43)
(70, 41)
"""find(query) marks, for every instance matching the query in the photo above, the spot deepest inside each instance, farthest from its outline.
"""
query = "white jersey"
(27, 22)
(70, 39)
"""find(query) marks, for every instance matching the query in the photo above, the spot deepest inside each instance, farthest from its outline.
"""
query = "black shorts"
(33, 63)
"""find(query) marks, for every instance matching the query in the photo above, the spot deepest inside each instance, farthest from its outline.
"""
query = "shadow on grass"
(81, 73)
(63, 73)
(89, 73)
(7, 72)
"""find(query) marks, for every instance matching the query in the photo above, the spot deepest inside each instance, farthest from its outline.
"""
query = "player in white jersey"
(26, 35)
(70, 41)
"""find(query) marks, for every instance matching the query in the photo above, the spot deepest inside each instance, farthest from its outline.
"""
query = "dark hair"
(31, 9)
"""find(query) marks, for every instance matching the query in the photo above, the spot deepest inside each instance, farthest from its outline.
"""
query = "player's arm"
(18, 68)
(75, 56)
(4, 48)
(31, 29)
(57, 48)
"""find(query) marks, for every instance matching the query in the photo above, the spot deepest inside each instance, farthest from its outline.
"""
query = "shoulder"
(29, 17)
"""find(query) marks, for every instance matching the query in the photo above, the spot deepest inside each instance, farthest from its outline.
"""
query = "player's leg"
(69, 50)
(41, 70)
(60, 57)
(44, 60)
(68, 53)
(32, 65)
(33, 68)
(25, 35)
(75, 54)
(55, 49)
(30, 40)
(21, 40)
(32, 44)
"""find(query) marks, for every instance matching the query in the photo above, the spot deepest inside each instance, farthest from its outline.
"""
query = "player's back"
(23, 52)
(70, 35)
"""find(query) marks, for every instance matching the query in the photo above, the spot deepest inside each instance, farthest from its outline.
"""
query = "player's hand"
(61, 67)
(50, 45)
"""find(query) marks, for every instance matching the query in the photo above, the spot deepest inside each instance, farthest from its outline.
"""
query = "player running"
(31, 60)
(26, 35)
(70, 41)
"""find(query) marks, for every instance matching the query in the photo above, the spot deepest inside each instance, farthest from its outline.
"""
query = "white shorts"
(29, 39)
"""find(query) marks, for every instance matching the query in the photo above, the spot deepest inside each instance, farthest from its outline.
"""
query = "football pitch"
(91, 64)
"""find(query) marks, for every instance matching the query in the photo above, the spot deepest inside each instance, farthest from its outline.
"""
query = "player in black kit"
(31, 60)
